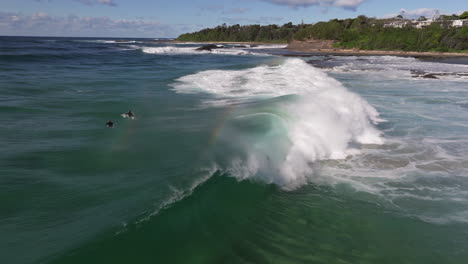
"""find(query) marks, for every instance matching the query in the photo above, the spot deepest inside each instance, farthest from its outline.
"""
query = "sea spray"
(314, 118)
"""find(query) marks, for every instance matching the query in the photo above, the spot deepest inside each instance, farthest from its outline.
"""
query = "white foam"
(103, 41)
(268, 46)
(320, 123)
(176, 195)
(249, 46)
(393, 67)
(168, 50)
(117, 41)
(187, 43)
(179, 50)
(125, 115)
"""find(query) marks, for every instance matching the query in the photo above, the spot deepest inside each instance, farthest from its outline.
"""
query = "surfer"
(129, 114)
(110, 124)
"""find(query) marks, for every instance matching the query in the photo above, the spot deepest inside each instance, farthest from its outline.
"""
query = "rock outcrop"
(210, 47)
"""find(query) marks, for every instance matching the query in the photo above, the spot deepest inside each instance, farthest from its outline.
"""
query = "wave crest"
(296, 115)
(180, 49)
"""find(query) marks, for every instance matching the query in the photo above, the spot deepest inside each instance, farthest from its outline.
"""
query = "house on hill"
(422, 24)
(399, 23)
(460, 23)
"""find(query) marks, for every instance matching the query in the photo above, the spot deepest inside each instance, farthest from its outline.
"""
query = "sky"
(158, 18)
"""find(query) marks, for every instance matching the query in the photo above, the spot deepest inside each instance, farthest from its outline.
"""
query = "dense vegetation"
(237, 33)
(361, 32)
(464, 15)
(370, 34)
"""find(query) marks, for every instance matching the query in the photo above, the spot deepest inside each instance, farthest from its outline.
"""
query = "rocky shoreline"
(326, 47)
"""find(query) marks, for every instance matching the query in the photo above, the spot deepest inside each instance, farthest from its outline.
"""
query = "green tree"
(464, 15)
(361, 32)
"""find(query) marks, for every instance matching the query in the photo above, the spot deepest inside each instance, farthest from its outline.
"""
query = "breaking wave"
(180, 49)
(392, 67)
(283, 119)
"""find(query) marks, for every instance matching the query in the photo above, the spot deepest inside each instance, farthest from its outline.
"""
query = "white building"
(460, 23)
(396, 24)
(401, 23)
(421, 24)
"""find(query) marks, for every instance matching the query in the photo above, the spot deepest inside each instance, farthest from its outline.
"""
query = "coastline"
(230, 42)
(310, 50)
(357, 52)
(347, 52)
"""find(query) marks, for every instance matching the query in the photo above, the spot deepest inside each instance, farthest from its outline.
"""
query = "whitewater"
(319, 121)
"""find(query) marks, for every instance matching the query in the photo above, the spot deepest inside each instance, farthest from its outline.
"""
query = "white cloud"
(223, 10)
(43, 24)
(260, 20)
(93, 2)
(346, 4)
(415, 13)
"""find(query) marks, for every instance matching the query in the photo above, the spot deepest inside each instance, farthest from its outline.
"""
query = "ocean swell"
(285, 118)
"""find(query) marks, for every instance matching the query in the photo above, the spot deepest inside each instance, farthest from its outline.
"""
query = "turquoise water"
(235, 156)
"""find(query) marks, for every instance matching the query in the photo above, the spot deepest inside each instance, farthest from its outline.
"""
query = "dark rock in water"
(253, 45)
(422, 74)
(209, 47)
(240, 46)
(429, 76)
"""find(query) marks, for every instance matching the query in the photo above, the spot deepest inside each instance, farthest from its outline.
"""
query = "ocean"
(235, 155)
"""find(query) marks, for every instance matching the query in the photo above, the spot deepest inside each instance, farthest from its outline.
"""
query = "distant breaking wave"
(393, 67)
(228, 50)
(308, 117)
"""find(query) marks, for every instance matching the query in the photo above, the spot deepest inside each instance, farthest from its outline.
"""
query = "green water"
(261, 224)
(230, 159)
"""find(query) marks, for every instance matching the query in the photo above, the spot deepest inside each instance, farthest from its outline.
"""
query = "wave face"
(306, 116)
